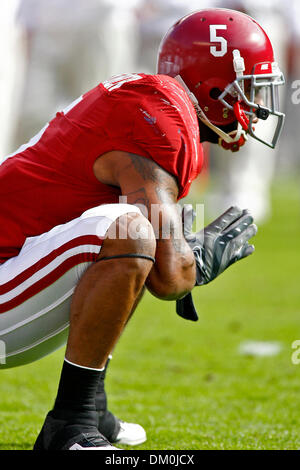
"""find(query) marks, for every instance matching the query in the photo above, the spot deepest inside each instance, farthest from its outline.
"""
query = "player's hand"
(221, 243)
(217, 246)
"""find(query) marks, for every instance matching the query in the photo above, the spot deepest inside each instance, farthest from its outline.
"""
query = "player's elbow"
(166, 291)
(171, 284)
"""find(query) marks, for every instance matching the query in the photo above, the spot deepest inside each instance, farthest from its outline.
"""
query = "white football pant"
(36, 286)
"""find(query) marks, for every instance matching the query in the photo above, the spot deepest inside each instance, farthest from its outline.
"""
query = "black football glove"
(217, 246)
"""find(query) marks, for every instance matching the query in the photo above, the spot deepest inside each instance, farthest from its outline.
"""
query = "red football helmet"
(225, 61)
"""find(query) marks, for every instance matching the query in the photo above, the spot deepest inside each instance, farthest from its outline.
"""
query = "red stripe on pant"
(47, 280)
(16, 281)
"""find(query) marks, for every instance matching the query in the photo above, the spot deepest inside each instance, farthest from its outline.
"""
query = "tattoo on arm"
(166, 191)
(139, 198)
(151, 171)
(144, 167)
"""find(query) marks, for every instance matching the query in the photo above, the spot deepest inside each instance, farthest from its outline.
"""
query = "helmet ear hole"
(215, 93)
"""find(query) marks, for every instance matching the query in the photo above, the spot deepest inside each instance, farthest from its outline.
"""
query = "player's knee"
(132, 231)
(131, 234)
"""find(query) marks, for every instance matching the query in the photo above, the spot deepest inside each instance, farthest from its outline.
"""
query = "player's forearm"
(173, 274)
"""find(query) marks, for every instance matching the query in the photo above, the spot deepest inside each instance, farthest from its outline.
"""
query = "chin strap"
(231, 141)
(239, 139)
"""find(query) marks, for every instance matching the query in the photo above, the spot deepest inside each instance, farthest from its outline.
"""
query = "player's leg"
(96, 322)
(36, 287)
(113, 428)
(97, 318)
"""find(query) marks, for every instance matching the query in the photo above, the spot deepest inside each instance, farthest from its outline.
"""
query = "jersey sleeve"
(158, 130)
(147, 123)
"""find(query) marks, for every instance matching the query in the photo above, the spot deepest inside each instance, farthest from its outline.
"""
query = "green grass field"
(187, 383)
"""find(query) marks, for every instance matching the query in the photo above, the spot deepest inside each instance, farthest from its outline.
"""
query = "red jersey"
(50, 180)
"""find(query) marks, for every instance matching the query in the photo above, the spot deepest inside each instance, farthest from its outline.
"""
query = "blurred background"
(238, 357)
(54, 50)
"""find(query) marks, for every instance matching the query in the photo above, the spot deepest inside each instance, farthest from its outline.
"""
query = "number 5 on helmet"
(225, 61)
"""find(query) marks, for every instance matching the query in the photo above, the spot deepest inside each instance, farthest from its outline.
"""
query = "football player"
(89, 213)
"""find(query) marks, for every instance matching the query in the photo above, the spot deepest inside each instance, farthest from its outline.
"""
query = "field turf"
(185, 382)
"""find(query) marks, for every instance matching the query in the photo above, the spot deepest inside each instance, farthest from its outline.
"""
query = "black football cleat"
(77, 433)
